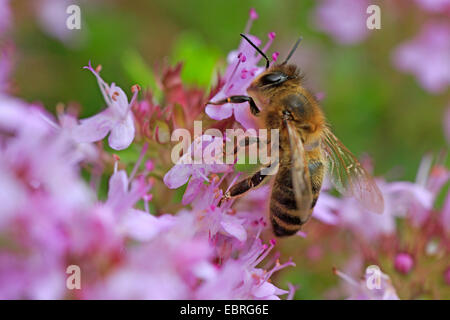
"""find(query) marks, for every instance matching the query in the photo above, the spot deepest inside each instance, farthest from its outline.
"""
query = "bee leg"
(238, 99)
(251, 182)
(244, 185)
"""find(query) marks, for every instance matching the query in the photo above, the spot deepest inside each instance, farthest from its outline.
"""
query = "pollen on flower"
(271, 35)
(275, 56)
(135, 88)
(253, 14)
(115, 95)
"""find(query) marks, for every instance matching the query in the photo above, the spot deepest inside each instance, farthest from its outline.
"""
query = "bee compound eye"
(273, 78)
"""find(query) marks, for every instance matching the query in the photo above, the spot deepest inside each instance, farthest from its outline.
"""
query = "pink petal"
(118, 185)
(119, 100)
(142, 226)
(233, 227)
(193, 189)
(122, 134)
(243, 116)
(219, 112)
(94, 128)
(265, 290)
(178, 176)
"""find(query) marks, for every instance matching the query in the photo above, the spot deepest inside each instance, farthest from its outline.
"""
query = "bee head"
(275, 75)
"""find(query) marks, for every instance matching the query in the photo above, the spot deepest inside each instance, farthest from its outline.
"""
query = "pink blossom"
(122, 193)
(326, 209)
(196, 173)
(117, 119)
(427, 56)
(142, 226)
(183, 259)
(52, 17)
(435, 5)
(242, 69)
(83, 151)
(359, 290)
(242, 279)
(403, 263)
(447, 276)
(344, 20)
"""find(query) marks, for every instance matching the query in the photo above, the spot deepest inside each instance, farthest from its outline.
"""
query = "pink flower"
(435, 5)
(167, 266)
(380, 289)
(326, 208)
(403, 263)
(241, 279)
(447, 276)
(52, 16)
(5, 16)
(83, 151)
(344, 20)
(242, 69)
(123, 194)
(117, 119)
(143, 226)
(196, 173)
(427, 57)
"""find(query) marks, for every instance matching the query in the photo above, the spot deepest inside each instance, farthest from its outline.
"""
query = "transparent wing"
(348, 176)
(301, 181)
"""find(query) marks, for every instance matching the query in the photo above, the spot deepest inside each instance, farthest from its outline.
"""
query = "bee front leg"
(238, 99)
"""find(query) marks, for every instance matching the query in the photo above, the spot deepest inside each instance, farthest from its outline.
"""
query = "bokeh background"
(374, 106)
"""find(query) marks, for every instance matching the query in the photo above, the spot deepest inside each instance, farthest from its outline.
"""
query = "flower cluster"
(425, 56)
(51, 219)
(145, 228)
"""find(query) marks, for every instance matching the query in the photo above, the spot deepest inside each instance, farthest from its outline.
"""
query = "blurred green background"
(372, 107)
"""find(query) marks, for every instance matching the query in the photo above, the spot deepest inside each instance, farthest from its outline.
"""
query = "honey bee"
(307, 149)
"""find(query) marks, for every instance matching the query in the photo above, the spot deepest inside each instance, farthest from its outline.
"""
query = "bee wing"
(301, 180)
(348, 176)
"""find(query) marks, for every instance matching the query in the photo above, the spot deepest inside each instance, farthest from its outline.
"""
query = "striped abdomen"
(285, 221)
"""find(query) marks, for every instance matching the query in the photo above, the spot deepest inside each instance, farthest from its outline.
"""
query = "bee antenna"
(257, 49)
(292, 50)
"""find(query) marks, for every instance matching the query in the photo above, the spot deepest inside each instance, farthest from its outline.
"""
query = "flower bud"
(403, 263)
(447, 276)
